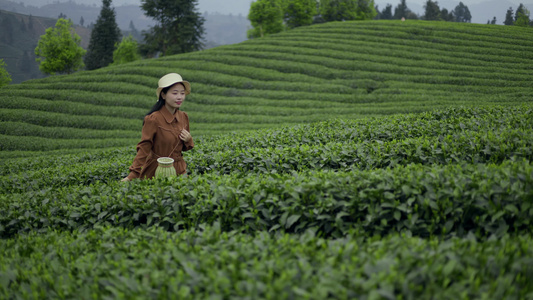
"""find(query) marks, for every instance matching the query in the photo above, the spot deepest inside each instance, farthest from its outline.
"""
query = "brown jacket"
(160, 138)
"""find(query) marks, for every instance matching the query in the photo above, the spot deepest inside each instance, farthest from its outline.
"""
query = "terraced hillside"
(356, 160)
(335, 70)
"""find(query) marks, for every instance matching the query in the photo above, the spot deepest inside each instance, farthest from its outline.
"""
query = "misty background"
(226, 22)
(481, 10)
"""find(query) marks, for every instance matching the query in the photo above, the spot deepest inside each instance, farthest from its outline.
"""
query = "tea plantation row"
(364, 160)
(342, 70)
(449, 172)
(455, 135)
(454, 200)
(208, 263)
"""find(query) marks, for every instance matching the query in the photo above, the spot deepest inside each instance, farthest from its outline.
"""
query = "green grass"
(367, 160)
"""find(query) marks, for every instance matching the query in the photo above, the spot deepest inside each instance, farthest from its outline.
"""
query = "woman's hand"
(185, 136)
(125, 179)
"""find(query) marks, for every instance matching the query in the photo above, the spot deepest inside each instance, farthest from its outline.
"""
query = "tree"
(299, 12)
(386, 13)
(179, 27)
(493, 22)
(432, 11)
(447, 16)
(365, 10)
(266, 17)
(412, 16)
(338, 10)
(462, 14)
(82, 21)
(104, 36)
(509, 17)
(126, 51)
(59, 50)
(401, 11)
(5, 78)
(519, 11)
(522, 16)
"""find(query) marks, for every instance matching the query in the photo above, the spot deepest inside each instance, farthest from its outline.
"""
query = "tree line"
(273, 16)
(520, 18)
(461, 13)
(179, 28)
(432, 12)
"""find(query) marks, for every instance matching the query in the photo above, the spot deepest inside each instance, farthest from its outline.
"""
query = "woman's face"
(174, 97)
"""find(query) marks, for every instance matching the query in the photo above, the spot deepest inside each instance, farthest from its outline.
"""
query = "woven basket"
(165, 167)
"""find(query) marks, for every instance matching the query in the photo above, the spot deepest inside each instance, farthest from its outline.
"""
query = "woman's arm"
(186, 136)
(144, 147)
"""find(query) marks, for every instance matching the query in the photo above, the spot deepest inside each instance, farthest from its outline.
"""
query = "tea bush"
(365, 160)
(209, 263)
(454, 200)
(377, 67)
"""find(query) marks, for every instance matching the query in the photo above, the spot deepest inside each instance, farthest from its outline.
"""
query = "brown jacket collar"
(168, 116)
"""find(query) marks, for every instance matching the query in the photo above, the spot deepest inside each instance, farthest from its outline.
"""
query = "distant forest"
(19, 35)
(220, 29)
(21, 27)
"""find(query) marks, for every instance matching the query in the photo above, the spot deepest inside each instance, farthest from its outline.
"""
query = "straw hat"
(171, 79)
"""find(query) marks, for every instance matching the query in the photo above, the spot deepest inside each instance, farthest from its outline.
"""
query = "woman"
(165, 131)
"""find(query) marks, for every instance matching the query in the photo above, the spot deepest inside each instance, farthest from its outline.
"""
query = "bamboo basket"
(165, 168)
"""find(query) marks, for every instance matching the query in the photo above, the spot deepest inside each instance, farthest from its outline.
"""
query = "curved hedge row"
(116, 263)
(395, 192)
(455, 135)
(20, 129)
(375, 67)
(454, 200)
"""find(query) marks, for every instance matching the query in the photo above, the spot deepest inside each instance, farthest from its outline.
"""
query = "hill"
(356, 160)
(19, 37)
(335, 70)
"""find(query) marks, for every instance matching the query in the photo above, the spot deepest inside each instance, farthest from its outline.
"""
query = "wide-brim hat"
(171, 79)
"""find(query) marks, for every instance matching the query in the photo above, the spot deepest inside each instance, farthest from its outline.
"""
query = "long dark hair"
(160, 103)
